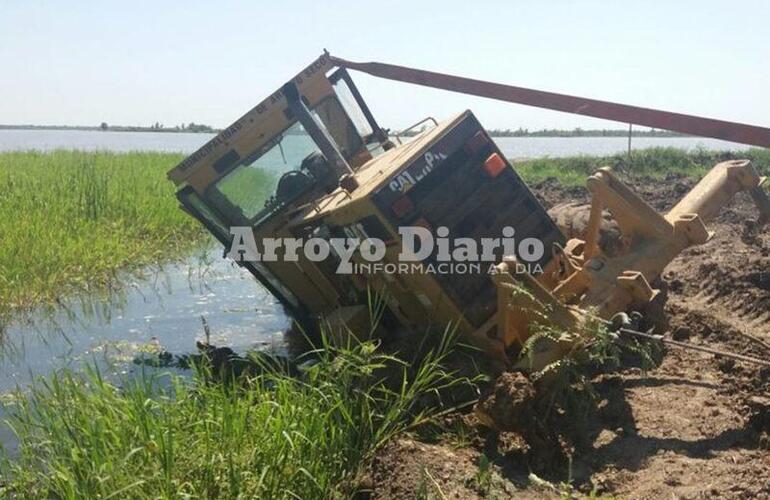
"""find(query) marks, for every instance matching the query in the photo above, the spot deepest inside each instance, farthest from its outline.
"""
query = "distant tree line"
(104, 126)
(553, 132)
(159, 127)
(579, 132)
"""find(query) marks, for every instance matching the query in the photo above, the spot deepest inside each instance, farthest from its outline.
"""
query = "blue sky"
(83, 62)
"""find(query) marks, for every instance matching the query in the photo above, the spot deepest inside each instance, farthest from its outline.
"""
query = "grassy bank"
(652, 162)
(277, 437)
(69, 221)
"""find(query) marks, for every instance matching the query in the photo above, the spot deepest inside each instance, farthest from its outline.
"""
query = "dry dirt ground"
(694, 427)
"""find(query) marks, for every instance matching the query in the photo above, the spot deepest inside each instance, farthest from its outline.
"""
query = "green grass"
(652, 162)
(69, 221)
(277, 437)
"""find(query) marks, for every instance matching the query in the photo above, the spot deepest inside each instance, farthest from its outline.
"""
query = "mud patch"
(406, 469)
(509, 405)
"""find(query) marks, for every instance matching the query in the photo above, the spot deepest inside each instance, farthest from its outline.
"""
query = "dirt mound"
(405, 468)
(410, 469)
(509, 405)
(550, 193)
(728, 277)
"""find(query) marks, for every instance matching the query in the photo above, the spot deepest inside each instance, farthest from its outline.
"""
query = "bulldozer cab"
(314, 151)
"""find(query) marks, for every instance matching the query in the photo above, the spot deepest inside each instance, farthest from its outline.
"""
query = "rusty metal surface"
(687, 124)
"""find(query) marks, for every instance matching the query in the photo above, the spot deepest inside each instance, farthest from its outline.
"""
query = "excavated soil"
(697, 426)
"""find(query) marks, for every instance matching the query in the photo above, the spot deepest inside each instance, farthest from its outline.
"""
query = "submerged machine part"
(336, 174)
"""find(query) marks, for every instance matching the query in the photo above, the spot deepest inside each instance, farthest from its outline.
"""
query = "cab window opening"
(246, 194)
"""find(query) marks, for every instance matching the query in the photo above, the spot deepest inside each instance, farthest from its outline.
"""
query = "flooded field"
(160, 312)
(183, 142)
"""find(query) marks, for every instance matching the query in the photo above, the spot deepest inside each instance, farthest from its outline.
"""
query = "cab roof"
(253, 131)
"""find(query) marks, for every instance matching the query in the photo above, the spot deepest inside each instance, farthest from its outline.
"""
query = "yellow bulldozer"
(436, 218)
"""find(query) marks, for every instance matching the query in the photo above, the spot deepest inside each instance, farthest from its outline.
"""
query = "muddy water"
(158, 311)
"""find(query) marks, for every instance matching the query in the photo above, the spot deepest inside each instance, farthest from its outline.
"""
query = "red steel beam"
(666, 120)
